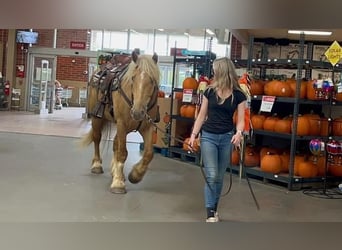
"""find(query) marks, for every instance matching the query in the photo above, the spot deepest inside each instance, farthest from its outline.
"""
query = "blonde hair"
(225, 76)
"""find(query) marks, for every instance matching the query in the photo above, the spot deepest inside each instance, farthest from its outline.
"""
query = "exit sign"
(77, 45)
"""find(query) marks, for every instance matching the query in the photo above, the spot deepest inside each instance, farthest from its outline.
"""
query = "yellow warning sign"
(334, 53)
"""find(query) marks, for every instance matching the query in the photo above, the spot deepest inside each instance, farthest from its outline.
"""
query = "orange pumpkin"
(320, 162)
(337, 126)
(277, 88)
(271, 163)
(270, 122)
(293, 85)
(307, 169)
(251, 157)
(303, 126)
(283, 125)
(190, 83)
(298, 159)
(314, 121)
(257, 87)
(335, 169)
(324, 126)
(257, 121)
(265, 150)
(285, 160)
(187, 110)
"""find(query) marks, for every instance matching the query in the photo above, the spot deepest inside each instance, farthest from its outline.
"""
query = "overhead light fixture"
(210, 32)
(310, 32)
(161, 29)
(186, 33)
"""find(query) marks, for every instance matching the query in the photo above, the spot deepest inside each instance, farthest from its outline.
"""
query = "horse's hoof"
(133, 179)
(116, 190)
(97, 170)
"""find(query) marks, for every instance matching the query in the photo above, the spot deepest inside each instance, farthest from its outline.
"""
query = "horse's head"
(144, 74)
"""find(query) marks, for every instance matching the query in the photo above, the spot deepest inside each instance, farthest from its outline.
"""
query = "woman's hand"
(237, 139)
(192, 141)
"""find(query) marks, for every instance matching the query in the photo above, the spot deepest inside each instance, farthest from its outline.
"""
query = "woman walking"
(215, 124)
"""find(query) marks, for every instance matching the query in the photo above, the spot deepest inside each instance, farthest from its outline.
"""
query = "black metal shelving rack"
(289, 180)
(201, 60)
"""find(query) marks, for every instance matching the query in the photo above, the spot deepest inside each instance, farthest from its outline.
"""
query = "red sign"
(77, 45)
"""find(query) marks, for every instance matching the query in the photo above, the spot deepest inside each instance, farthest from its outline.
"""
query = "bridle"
(130, 101)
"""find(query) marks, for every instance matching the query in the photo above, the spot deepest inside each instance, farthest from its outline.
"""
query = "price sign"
(187, 95)
(334, 53)
(267, 103)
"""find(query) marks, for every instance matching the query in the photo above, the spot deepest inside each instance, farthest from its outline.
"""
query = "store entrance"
(41, 79)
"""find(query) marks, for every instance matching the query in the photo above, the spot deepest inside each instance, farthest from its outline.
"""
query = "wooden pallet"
(180, 154)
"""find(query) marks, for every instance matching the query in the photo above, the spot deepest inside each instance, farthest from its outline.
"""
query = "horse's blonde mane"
(144, 63)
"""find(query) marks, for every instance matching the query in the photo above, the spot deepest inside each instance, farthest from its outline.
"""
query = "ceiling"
(244, 34)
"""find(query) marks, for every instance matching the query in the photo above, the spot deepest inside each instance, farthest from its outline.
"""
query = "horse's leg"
(97, 125)
(118, 162)
(139, 169)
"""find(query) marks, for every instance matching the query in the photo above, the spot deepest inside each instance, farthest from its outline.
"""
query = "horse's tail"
(86, 139)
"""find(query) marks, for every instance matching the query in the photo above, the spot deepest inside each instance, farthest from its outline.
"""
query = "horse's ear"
(155, 57)
(135, 56)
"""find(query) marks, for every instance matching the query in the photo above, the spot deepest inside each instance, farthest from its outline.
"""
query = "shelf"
(293, 100)
(286, 64)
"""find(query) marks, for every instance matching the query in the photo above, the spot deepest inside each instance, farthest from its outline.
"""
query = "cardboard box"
(273, 51)
(164, 111)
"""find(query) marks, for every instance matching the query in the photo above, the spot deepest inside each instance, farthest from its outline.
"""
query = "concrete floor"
(45, 177)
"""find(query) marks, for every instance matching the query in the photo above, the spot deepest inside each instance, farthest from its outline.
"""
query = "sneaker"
(217, 216)
(212, 219)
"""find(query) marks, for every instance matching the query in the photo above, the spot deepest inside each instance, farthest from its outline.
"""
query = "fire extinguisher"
(7, 88)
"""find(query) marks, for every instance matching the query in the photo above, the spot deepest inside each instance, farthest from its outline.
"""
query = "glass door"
(41, 83)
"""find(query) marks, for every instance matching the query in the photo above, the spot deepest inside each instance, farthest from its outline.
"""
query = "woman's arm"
(240, 124)
(199, 121)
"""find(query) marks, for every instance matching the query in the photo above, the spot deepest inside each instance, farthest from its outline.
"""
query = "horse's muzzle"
(138, 114)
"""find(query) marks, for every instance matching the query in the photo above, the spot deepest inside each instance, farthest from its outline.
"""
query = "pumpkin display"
(285, 161)
(303, 125)
(251, 157)
(277, 88)
(293, 86)
(187, 110)
(257, 87)
(298, 159)
(271, 163)
(337, 126)
(307, 169)
(283, 125)
(264, 150)
(320, 162)
(269, 122)
(257, 121)
(314, 123)
(190, 83)
(323, 126)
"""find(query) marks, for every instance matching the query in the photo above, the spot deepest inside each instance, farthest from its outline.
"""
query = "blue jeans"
(216, 153)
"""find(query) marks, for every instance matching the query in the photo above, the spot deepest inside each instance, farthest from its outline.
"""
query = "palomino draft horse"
(132, 106)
